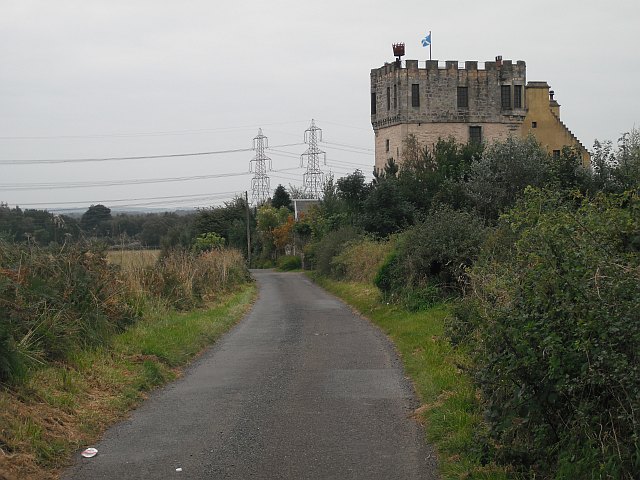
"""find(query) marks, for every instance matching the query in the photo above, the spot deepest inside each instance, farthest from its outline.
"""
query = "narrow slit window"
(388, 98)
(463, 97)
(517, 96)
(395, 96)
(373, 103)
(505, 97)
(415, 95)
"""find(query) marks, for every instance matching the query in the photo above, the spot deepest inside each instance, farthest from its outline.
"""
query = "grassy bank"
(62, 407)
(449, 408)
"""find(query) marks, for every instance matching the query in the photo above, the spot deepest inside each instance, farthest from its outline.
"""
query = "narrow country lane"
(301, 389)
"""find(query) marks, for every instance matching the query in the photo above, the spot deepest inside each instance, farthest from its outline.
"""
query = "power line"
(140, 134)
(112, 200)
(109, 183)
(293, 155)
(355, 147)
(346, 126)
(139, 157)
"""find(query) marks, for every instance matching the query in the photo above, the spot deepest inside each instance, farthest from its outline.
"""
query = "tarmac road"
(302, 388)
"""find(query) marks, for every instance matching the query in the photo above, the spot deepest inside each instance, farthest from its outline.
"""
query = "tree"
(281, 198)
(96, 220)
(208, 241)
(228, 220)
(353, 190)
(385, 210)
(501, 175)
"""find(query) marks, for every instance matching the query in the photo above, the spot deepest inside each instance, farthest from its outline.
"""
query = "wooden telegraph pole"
(246, 199)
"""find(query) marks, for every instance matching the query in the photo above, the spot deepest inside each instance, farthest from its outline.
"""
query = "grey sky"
(106, 78)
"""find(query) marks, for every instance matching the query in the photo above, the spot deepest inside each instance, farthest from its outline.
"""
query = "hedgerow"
(554, 330)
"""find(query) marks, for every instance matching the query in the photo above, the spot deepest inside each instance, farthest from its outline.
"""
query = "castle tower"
(468, 101)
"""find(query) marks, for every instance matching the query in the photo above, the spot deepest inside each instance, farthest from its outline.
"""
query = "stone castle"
(464, 101)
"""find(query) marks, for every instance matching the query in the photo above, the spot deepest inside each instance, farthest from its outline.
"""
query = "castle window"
(475, 134)
(505, 97)
(534, 124)
(517, 96)
(463, 97)
(395, 96)
(373, 103)
(388, 98)
(415, 95)
(386, 144)
(556, 153)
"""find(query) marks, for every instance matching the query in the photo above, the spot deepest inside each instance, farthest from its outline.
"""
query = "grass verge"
(64, 407)
(449, 408)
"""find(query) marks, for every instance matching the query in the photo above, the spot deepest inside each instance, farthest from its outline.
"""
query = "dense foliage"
(431, 258)
(554, 329)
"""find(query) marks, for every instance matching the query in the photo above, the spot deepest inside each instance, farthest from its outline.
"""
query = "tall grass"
(82, 339)
(56, 301)
(360, 260)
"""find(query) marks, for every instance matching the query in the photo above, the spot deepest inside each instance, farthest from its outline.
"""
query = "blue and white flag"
(426, 41)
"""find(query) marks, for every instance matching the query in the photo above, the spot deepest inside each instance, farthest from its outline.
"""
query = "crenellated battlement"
(447, 65)
(433, 91)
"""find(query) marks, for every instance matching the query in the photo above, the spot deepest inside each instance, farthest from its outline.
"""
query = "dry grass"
(361, 261)
(133, 259)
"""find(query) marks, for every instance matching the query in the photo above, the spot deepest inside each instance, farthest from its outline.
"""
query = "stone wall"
(438, 113)
(429, 133)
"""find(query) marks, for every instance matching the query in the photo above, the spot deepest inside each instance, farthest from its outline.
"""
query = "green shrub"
(289, 262)
(208, 241)
(360, 260)
(556, 338)
(330, 246)
(431, 258)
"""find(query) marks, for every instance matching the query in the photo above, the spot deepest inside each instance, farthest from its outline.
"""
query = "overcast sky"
(113, 78)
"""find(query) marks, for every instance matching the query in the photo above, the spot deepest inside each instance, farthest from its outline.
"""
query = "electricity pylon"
(260, 184)
(313, 179)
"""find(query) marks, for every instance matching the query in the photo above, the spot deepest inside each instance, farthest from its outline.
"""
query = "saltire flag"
(426, 41)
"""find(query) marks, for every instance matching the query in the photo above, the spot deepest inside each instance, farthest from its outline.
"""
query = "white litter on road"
(89, 452)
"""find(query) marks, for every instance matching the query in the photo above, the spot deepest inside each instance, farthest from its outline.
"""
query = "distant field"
(133, 258)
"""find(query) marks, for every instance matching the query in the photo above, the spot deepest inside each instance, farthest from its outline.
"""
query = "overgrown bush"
(55, 301)
(431, 258)
(554, 328)
(186, 279)
(289, 262)
(361, 259)
(329, 247)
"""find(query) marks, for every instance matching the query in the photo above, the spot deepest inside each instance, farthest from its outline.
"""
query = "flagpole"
(430, 44)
